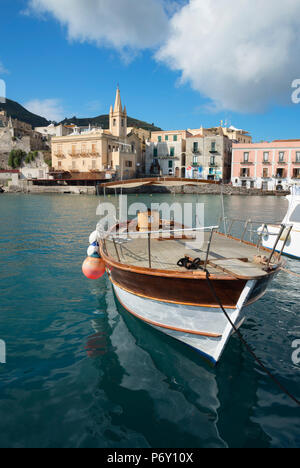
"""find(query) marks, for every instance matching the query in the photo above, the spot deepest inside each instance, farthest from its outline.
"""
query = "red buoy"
(93, 268)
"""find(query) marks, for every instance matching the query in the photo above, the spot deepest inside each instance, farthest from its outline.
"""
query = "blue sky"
(56, 64)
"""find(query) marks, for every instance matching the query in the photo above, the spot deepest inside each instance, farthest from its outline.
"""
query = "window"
(170, 164)
(159, 139)
(73, 149)
(213, 146)
(128, 164)
(246, 157)
(280, 174)
(172, 151)
(281, 156)
(212, 161)
(155, 152)
(195, 147)
(296, 174)
(245, 172)
(266, 157)
(175, 138)
(94, 149)
(122, 122)
(166, 137)
(115, 122)
(298, 156)
(94, 164)
(195, 159)
(59, 163)
(265, 173)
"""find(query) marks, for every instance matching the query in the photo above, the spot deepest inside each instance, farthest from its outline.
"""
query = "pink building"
(266, 166)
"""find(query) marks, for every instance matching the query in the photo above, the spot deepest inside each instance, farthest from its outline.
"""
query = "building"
(54, 131)
(234, 134)
(94, 154)
(189, 153)
(266, 166)
(165, 153)
(17, 135)
(208, 157)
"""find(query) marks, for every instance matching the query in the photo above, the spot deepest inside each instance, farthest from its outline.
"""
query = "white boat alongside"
(289, 242)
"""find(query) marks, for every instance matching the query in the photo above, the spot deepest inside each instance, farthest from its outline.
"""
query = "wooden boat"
(186, 304)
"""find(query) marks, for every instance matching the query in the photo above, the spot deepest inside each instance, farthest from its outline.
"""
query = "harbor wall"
(205, 189)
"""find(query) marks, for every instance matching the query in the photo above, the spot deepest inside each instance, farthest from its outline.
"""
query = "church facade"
(97, 154)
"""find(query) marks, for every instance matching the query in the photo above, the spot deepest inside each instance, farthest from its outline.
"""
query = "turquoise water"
(81, 372)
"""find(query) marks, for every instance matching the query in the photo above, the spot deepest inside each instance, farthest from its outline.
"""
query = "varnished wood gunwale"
(169, 301)
(177, 290)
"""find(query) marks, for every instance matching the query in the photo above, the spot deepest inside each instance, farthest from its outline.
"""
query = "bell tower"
(118, 118)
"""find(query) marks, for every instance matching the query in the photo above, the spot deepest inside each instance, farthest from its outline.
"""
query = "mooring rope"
(290, 272)
(280, 385)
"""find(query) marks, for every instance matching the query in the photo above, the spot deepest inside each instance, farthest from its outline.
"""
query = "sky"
(179, 63)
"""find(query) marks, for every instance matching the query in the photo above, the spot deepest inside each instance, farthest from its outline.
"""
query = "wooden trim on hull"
(168, 327)
(182, 291)
(191, 304)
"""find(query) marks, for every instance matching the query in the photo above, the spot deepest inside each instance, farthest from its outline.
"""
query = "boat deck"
(226, 255)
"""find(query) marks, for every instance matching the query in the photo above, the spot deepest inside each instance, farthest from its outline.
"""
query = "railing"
(251, 228)
(120, 238)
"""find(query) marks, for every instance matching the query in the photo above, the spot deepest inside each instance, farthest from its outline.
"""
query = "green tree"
(15, 158)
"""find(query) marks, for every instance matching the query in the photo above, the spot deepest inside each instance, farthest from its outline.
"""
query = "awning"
(157, 181)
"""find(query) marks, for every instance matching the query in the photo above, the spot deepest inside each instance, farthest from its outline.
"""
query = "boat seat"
(239, 269)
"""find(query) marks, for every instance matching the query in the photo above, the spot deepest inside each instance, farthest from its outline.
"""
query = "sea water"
(80, 372)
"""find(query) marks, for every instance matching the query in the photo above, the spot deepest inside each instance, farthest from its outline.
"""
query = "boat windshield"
(295, 216)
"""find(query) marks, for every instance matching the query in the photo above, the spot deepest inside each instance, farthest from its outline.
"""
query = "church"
(93, 154)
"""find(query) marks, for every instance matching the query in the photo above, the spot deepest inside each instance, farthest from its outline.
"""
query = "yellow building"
(97, 154)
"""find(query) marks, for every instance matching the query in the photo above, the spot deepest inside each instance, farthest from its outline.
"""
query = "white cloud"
(51, 109)
(133, 24)
(2, 69)
(242, 55)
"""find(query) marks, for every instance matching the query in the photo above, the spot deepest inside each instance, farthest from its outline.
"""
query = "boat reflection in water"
(156, 383)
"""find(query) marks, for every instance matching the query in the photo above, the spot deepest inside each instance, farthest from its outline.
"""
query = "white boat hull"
(206, 329)
(292, 248)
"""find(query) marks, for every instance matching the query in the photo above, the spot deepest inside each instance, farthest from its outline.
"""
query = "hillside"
(103, 121)
(16, 111)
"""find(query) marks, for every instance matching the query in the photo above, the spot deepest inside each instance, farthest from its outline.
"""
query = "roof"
(286, 141)
(195, 136)
(160, 181)
(9, 171)
(79, 175)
